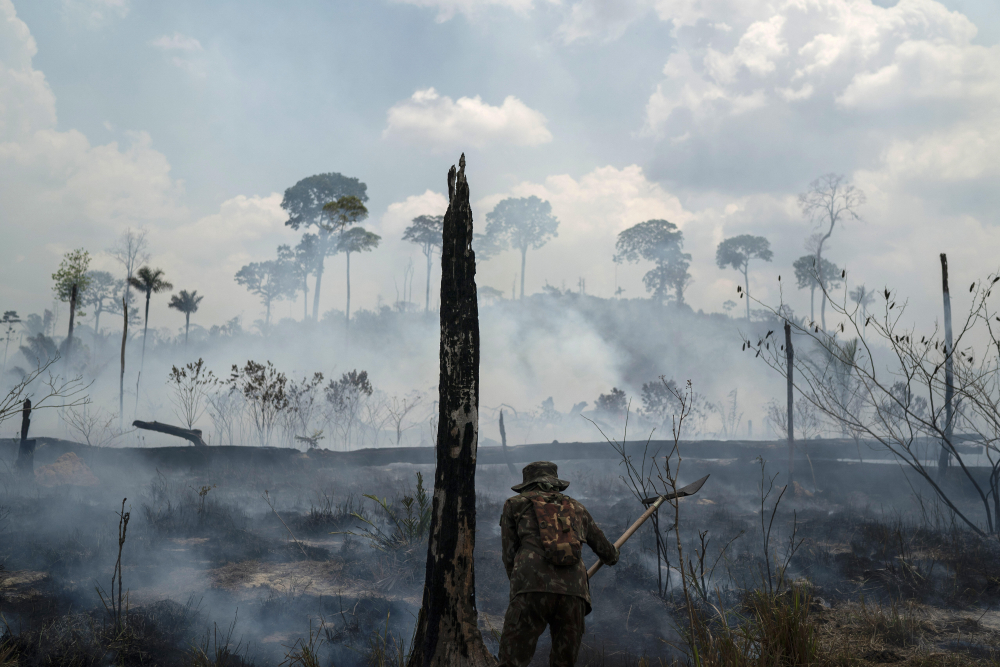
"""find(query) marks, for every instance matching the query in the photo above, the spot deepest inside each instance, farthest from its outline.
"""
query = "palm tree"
(864, 298)
(149, 281)
(187, 303)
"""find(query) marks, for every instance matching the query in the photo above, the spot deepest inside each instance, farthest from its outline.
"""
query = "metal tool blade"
(688, 490)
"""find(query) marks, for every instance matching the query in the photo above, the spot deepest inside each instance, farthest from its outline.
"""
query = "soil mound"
(67, 469)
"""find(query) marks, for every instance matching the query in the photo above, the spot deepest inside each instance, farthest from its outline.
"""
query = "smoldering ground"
(216, 575)
(213, 575)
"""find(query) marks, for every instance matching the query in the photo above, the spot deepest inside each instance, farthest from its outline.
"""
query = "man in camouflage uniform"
(542, 593)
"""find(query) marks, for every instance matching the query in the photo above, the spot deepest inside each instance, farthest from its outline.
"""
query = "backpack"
(556, 513)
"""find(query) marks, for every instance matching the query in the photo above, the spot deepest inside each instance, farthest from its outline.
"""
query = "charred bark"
(193, 435)
(503, 444)
(72, 314)
(121, 378)
(447, 633)
(26, 450)
(944, 457)
(790, 360)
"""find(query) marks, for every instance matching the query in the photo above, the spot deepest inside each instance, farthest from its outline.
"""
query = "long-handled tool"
(688, 490)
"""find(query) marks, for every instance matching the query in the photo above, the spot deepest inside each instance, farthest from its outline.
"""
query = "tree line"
(330, 208)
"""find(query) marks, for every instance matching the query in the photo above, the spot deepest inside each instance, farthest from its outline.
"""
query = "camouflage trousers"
(525, 621)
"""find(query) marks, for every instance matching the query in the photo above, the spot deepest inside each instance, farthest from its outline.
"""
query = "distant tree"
(191, 386)
(829, 200)
(264, 389)
(342, 213)
(728, 306)
(807, 276)
(863, 297)
(71, 281)
(300, 263)
(269, 281)
(8, 321)
(305, 202)
(73, 271)
(344, 397)
(488, 294)
(100, 294)
(33, 324)
(355, 239)
(148, 281)
(519, 224)
(737, 253)
(130, 251)
(612, 405)
(187, 303)
(660, 403)
(40, 350)
(426, 231)
(660, 242)
(659, 399)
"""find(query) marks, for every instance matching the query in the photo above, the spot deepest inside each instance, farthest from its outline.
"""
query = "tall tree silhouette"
(149, 282)
(73, 270)
(9, 319)
(187, 303)
(864, 297)
(829, 200)
(101, 294)
(519, 224)
(810, 273)
(268, 280)
(304, 203)
(300, 262)
(426, 232)
(660, 242)
(355, 239)
(130, 250)
(447, 631)
(737, 253)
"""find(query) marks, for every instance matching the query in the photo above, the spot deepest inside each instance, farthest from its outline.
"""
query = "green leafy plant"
(191, 385)
(407, 526)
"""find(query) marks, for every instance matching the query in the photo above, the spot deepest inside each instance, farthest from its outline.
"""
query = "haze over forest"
(189, 123)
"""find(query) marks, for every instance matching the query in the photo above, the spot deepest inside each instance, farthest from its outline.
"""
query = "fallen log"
(193, 435)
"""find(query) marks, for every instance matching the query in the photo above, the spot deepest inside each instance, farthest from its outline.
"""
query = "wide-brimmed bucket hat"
(541, 471)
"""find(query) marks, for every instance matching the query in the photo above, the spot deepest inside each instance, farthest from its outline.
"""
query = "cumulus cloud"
(601, 19)
(206, 253)
(852, 53)
(803, 87)
(435, 120)
(177, 42)
(399, 215)
(73, 193)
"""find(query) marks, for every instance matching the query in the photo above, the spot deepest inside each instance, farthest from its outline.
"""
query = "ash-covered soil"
(215, 576)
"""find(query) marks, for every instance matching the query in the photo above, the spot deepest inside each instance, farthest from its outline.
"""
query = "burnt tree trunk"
(447, 633)
(191, 435)
(944, 457)
(790, 360)
(503, 444)
(26, 450)
(72, 314)
(121, 378)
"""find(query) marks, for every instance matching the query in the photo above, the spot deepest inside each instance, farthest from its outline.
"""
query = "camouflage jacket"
(524, 556)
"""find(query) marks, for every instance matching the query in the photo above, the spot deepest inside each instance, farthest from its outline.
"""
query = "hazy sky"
(190, 118)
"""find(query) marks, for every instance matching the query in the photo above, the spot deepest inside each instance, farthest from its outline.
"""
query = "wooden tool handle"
(628, 533)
